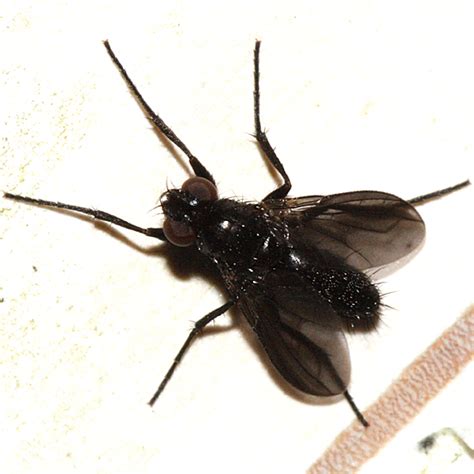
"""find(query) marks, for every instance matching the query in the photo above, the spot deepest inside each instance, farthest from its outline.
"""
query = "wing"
(300, 332)
(365, 228)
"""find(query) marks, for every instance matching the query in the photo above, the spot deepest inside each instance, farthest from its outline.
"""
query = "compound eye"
(178, 233)
(201, 188)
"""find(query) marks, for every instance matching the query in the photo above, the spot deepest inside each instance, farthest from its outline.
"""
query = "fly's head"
(184, 207)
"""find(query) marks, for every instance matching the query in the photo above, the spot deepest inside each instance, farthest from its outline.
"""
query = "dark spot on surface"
(426, 444)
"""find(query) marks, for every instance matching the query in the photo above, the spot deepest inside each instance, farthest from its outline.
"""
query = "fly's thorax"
(235, 233)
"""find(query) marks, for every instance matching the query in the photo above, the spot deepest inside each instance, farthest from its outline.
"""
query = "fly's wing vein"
(367, 229)
(301, 334)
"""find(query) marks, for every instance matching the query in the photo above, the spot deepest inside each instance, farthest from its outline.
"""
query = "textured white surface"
(354, 96)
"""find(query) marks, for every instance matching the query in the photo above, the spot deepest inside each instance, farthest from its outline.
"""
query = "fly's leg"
(356, 410)
(198, 327)
(261, 137)
(99, 215)
(198, 168)
(438, 194)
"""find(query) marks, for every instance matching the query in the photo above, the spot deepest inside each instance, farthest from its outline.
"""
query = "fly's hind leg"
(355, 409)
(438, 194)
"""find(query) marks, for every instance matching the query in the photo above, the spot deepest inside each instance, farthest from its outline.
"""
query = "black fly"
(293, 266)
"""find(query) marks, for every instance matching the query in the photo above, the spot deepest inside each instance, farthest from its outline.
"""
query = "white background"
(355, 95)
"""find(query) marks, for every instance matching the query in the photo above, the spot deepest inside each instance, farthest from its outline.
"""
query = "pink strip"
(403, 400)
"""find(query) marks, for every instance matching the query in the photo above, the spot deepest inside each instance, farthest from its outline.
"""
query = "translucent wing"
(300, 332)
(365, 228)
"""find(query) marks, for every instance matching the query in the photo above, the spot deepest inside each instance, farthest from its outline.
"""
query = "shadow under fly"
(295, 267)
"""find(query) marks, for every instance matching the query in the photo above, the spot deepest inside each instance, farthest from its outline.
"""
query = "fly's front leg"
(261, 137)
(198, 327)
(95, 213)
(198, 168)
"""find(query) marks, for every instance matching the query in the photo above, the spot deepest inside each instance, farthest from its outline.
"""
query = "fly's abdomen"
(351, 294)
